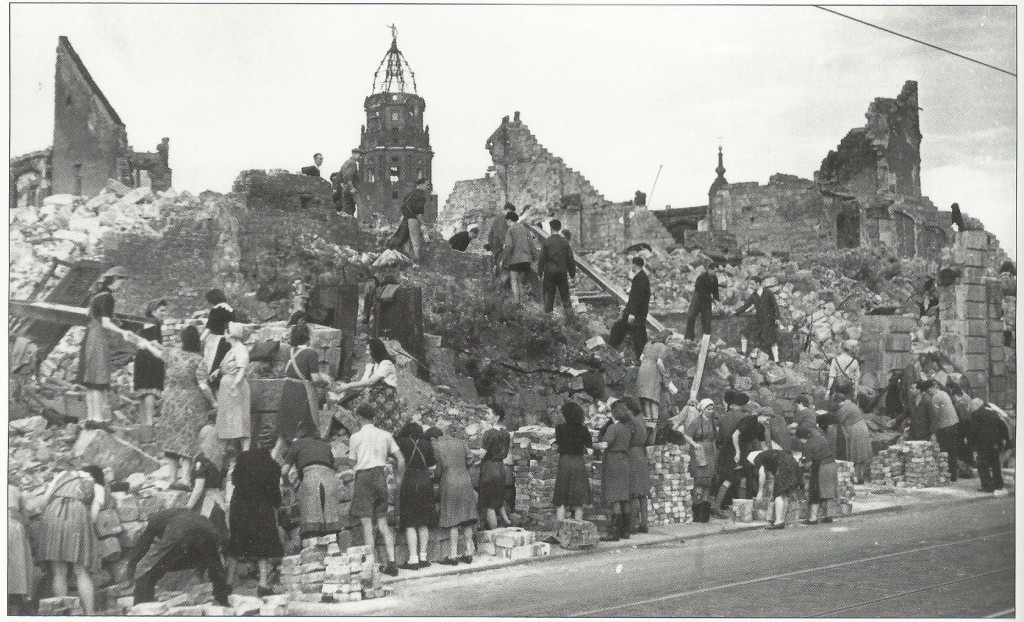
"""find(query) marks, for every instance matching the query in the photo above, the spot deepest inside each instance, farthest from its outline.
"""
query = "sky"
(616, 91)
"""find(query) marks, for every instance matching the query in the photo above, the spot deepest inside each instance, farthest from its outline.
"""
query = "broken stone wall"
(90, 143)
(787, 214)
(30, 178)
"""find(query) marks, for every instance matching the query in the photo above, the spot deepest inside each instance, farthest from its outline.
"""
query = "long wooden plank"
(705, 342)
(66, 315)
(606, 284)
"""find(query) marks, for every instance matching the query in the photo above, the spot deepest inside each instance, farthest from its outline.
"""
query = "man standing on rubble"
(555, 267)
(348, 178)
(705, 293)
(764, 329)
(496, 238)
(637, 306)
(314, 169)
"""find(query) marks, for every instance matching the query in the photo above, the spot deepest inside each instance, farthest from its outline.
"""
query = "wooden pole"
(705, 341)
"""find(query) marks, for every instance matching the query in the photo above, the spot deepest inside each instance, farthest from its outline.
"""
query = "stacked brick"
(670, 501)
(911, 464)
(511, 543)
(322, 572)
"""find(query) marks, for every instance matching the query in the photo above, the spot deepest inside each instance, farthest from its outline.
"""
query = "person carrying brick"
(555, 267)
(787, 481)
(705, 294)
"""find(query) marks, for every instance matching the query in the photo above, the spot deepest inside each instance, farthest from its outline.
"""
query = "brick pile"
(911, 464)
(511, 543)
(322, 572)
(670, 501)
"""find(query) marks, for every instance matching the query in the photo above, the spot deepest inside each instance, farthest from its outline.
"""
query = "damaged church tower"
(394, 148)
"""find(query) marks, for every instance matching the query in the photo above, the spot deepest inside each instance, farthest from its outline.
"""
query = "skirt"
(492, 485)
(787, 480)
(458, 500)
(20, 569)
(319, 508)
(703, 476)
(615, 477)
(384, 400)
(293, 413)
(416, 500)
(213, 508)
(824, 482)
(94, 367)
(858, 443)
(639, 472)
(572, 482)
(253, 527)
(148, 373)
(67, 534)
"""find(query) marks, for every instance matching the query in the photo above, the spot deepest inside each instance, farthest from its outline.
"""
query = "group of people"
(344, 182)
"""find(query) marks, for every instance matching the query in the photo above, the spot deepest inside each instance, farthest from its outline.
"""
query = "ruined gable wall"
(86, 131)
(472, 201)
(787, 214)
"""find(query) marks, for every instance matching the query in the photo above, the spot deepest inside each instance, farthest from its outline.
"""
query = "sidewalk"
(870, 499)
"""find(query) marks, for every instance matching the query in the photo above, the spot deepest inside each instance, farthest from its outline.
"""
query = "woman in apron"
(416, 509)
(701, 433)
(380, 387)
(234, 420)
(67, 537)
(148, 369)
(300, 404)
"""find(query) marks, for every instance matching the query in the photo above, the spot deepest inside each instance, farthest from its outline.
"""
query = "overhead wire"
(925, 43)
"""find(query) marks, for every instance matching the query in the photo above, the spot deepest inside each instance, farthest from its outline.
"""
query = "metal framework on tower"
(395, 68)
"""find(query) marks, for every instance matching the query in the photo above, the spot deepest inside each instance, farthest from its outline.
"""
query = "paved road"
(947, 561)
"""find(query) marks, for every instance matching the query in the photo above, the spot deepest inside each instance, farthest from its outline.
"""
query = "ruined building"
(394, 148)
(867, 191)
(90, 143)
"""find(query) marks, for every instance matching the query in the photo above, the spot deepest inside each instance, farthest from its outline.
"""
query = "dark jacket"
(311, 170)
(639, 302)
(988, 429)
(460, 241)
(415, 204)
(496, 234)
(174, 527)
(765, 329)
(706, 288)
(556, 257)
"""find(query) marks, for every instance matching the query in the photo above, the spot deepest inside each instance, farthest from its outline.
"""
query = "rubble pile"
(670, 501)
(911, 464)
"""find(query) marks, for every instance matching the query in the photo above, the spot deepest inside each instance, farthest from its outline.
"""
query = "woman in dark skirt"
(572, 481)
(416, 511)
(701, 434)
(254, 504)
(319, 498)
(300, 404)
(148, 376)
(639, 467)
(824, 475)
(615, 477)
(496, 443)
(787, 480)
(457, 509)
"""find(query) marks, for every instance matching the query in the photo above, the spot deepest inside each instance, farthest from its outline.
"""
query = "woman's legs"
(412, 543)
(97, 405)
(86, 591)
(424, 540)
(560, 513)
(264, 570)
(643, 527)
(492, 518)
(59, 577)
(517, 285)
(147, 409)
(453, 543)
(467, 532)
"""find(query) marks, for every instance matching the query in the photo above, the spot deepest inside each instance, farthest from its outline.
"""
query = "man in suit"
(705, 293)
(555, 267)
(638, 305)
(314, 170)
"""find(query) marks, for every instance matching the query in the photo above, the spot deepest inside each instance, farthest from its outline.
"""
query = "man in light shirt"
(371, 447)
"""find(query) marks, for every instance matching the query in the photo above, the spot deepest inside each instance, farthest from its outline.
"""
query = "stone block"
(133, 529)
(28, 424)
(973, 240)
(217, 611)
(138, 195)
(977, 328)
(150, 505)
(189, 611)
(149, 609)
(108, 451)
(245, 605)
(898, 343)
(996, 354)
(576, 534)
(321, 337)
(525, 551)
(974, 293)
(60, 606)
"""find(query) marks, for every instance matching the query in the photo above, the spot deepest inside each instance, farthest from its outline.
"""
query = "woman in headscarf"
(458, 499)
(615, 475)
(416, 509)
(253, 509)
(858, 436)
(300, 403)
(496, 443)
(148, 369)
(844, 372)
(233, 408)
(824, 475)
(572, 480)
(187, 403)
(701, 433)
(786, 480)
(208, 472)
(67, 536)
(639, 467)
(319, 495)
(652, 382)
(379, 386)
(94, 366)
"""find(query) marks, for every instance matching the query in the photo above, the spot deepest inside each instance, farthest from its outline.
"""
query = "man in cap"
(496, 239)
(989, 436)
(638, 305)
(705, 294)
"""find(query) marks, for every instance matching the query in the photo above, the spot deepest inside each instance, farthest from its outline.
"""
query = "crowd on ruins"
(234, 465)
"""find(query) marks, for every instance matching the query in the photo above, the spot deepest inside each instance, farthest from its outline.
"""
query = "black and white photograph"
(512, 310)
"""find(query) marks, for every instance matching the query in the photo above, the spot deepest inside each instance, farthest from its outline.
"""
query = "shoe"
(775, 526)
(466, 559)
(826, 520)
(408, 566)
(390, 569)
(449, 561)
(642, 529)
(809, 522)
(264, 591)
(423, 564)
(985, 489)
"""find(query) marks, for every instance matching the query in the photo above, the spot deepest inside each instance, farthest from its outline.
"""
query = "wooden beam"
(705, 341)
(66, 315)
(606, 284)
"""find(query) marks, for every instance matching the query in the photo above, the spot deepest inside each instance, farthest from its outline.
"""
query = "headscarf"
(211, 446)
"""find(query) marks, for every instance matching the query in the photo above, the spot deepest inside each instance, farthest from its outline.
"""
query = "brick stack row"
(322, 572)
(911, 464)
(511, 543)
(670, 501)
